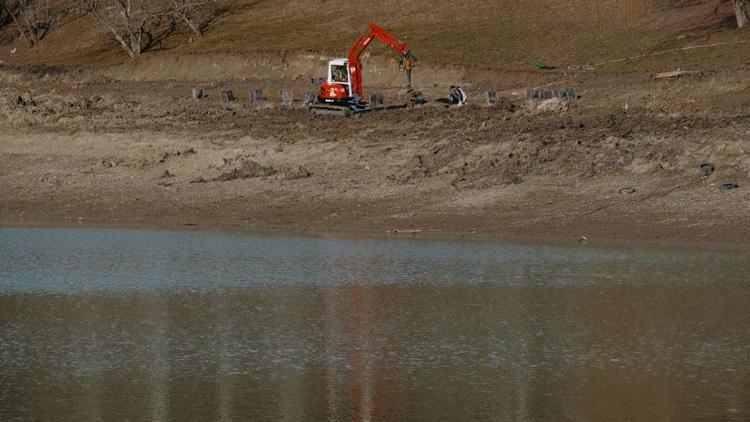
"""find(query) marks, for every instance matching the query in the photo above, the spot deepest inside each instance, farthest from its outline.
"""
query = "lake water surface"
(124, 324)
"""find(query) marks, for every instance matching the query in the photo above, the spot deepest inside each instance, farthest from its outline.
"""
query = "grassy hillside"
(498, 34)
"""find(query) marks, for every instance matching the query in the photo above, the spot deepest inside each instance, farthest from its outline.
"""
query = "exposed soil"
(620, 163)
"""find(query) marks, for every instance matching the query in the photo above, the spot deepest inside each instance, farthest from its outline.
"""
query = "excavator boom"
(374, 32)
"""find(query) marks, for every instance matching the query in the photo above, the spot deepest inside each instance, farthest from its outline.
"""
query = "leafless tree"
(127, 20)
(33, 18)
(742, 11)
(190, 12)
(4, 16)
(8, 12)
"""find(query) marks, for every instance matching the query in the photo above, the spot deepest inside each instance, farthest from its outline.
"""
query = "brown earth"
(90, 136)
(619, 164)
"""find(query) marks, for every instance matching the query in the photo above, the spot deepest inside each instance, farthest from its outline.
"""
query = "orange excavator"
(342, 93)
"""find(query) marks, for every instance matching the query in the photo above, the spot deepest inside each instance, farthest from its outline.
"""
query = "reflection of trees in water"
(543, 394)
(157, 360)
(359, 352)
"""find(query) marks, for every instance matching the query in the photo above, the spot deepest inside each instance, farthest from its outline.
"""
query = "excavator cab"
(338, 89)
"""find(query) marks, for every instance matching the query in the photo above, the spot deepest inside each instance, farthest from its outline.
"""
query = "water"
(158, 325)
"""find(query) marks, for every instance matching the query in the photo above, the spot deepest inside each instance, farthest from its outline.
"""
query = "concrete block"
(256, 95)
(287, 98)
(539, 95)
(491, 97)
(227, 96)
(310, 99)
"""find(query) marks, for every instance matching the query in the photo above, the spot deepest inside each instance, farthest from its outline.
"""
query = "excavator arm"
(374, 32)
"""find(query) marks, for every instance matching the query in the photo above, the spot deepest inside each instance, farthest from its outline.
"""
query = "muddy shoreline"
(606, 168)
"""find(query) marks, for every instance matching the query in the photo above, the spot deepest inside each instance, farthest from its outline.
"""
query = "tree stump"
(742, 11)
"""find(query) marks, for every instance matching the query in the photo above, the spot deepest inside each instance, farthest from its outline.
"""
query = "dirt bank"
(620, 163)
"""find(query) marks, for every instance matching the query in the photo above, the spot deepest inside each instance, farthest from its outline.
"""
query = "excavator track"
(349, 111)
(331, 110)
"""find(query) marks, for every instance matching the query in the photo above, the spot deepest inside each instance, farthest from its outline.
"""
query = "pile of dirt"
(437, 160)
(23, 109)
(243, 167)
(295, 173)
(552, 105)
(145, 157)
(560, 155)
(510, 161)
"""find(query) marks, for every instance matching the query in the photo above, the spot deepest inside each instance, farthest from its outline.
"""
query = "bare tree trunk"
(19, 25)
(111, 28)
(190, 11)
(742, 10)
(31, 20)
(134, 39)
(115, 33)
(135, 42)
(126, 20)
(123, 43)
(196, 28)
(34, 18)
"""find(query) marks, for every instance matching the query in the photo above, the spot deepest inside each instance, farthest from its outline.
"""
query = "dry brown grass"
(498, 34)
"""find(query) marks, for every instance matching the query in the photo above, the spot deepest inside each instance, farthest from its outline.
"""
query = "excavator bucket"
(416, 98)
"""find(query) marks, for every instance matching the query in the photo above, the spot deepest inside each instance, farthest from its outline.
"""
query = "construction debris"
(227, 96)
(416, 98)
(256, 95)
(310, 99)
(490, 97)
(707, 169)
(542, 66)
(21, 102)
(287, 98)
(545, 94)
